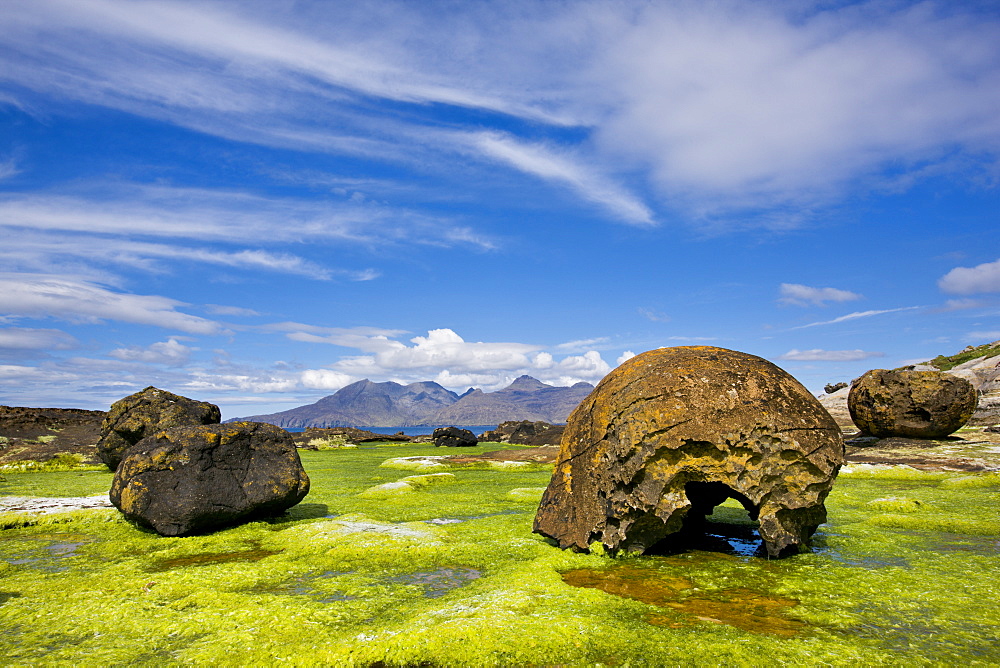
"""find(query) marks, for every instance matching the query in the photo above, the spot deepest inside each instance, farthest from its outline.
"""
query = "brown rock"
(453, 437)
(141, 414)
(916, 404)
(673, 432)
(192, 479)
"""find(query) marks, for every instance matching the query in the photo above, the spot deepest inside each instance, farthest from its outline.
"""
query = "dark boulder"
(672, 433)
(915, 404)
(453, 437)
(144, 413)
(524, 432)
(830, 388)
(193, 479)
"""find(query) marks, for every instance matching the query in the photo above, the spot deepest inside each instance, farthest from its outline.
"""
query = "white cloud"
(756, 104)
(586, 181)
(324, 379)
(22, 338)
(40, 295)
(235, 311)
(582, 343)
(169, 353)
(818, 355)
(972, 280)
(624, 357)
(803, 295)
(8, 168)
(858, 314)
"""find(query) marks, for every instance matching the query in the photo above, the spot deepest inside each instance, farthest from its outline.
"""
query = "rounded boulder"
(138, 415)
(672, 433)
(453, 437)
(913, 404)
(194, 479)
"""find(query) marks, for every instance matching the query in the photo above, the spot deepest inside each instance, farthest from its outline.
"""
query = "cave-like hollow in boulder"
(698, 532)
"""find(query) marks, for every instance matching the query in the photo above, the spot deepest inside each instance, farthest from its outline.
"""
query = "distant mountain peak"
(527, 383)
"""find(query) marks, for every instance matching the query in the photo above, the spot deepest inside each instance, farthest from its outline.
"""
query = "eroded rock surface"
(916, 404)
(192, 479)
(672, 433)
(144, 413)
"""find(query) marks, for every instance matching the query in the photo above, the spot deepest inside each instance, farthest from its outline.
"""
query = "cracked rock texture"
(193, 479)
(138, 415)
(915, 404)
(672, 433)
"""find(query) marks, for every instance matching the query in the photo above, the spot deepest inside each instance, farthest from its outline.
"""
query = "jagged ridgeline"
(389, 404)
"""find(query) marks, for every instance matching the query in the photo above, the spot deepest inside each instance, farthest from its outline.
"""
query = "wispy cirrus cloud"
(571, 171)
(819, 355)
(856, 315)
(803, 295)
(70, 299)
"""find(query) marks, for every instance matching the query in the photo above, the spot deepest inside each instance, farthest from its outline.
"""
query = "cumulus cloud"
(39, 295)
(23, 338)
(803, 295)
(972, 280)
(624, 357)
(169, 353)
(819, 355)
(324, 379)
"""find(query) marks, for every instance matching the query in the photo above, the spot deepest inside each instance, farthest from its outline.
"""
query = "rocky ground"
(40, 434)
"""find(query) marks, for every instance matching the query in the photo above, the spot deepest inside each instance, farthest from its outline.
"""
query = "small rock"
(914, 404)
(144, 413)
(192, 479)
(453, 437)
(830, 388)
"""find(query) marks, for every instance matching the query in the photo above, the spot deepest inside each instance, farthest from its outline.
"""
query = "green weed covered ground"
(400, 567)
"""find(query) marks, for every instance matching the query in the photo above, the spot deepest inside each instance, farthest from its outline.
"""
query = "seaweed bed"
(444, 570)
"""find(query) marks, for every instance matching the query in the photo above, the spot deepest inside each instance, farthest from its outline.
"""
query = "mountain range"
(389, 404)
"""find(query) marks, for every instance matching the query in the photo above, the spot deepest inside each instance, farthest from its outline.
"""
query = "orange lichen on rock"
(674, 432)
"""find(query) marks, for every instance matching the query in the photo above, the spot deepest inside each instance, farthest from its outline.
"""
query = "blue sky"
(257, 203)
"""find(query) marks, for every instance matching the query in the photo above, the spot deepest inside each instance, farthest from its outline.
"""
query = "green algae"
(452, 575)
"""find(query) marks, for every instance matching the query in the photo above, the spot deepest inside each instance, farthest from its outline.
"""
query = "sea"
(414, 431)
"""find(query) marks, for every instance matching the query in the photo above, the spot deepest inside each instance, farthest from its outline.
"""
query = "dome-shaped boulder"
(914, 404)
(672, 433)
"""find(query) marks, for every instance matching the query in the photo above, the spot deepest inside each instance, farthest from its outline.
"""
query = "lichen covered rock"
(914, 404)
(193, 479)
(138, 415)
(672, 433)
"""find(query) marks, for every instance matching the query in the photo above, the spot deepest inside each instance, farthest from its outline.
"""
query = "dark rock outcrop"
(453, 437)
(41, 434)
(673, 432)
(830, 388)
(193, 479)
(144, 413)
(524, 432)
(915, 404)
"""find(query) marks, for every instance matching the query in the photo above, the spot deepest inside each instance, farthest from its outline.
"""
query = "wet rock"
(524, 432)
(193, 479)
(453, 437)
(915, 404)
(672, 433)
(144, 413)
